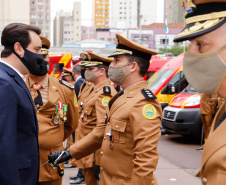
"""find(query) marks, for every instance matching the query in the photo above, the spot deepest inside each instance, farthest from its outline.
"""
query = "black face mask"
(83, 73)
(34, 63)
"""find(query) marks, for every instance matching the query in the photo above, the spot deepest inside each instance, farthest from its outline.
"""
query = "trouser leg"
(89, 176)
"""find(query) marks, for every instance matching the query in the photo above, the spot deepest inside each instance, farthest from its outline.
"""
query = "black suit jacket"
(19, 152)
(77, 86)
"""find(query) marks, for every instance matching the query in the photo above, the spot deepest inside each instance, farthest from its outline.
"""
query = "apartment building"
(133, 13)
(14, 11)
(40, 15)
(175, 12)
(67, 26)
(101, 13)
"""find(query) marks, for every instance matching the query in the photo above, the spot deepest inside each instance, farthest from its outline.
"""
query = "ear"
(19, 49)
(134, 67)
(102, 71)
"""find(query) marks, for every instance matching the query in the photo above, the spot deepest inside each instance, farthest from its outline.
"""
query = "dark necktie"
(83, 85)
(119, 94)
(91, 90)
(38, 98)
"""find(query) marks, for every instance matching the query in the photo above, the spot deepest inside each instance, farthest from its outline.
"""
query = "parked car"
(182, 116)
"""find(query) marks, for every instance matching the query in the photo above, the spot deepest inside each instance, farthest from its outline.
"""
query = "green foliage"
(176, 49)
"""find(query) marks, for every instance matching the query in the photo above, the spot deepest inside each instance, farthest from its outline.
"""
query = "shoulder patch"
(148, 94)
(67, 84)
(75, 101)
(149, 111)
(107, 89)
(105, 101)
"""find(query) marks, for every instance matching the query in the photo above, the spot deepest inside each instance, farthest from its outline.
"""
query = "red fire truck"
(57, 62)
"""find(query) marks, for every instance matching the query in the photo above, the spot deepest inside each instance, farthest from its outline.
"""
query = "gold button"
(101, 168)
(108, 123)
(204, 180)
(77, 130)
(104, 138)
(101, 153)
(131, 93)
(116, 126)
(37, 111)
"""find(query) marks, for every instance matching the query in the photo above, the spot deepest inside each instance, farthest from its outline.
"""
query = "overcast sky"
(67, 6)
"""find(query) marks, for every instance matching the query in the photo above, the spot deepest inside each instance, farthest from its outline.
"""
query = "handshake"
(58, 157)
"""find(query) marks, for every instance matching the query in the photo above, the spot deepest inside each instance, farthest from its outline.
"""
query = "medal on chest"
(60, 114)
(36, 86)
(35, 94)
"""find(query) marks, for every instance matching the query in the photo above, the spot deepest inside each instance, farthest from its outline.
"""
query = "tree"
(176, 49)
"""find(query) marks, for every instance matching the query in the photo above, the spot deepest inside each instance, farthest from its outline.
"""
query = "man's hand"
(57, 158)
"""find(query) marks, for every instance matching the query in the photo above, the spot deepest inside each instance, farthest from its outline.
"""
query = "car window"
(159, 77)
(179, 82)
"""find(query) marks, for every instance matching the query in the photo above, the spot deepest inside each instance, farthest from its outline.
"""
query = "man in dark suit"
(76, 72)
(19, 152)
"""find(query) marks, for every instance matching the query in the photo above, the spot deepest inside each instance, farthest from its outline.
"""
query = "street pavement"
(179, 161)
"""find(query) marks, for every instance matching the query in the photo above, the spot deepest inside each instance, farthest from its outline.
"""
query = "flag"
(166, 25)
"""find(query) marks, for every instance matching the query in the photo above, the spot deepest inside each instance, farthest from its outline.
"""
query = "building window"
(109, 39)
(47, 2)
(47, 10)
(33, 23)
(40, 10)
(40, 23)
(33, 9)
(101, 38)
(40, 3)
(47, 24)
(47, 16)
(163, 41)
(120, 12)
(120, 7)
(33, 16)
(32, 2)
(40, 16)
(67, 32)
(120, 17)
(47, 31)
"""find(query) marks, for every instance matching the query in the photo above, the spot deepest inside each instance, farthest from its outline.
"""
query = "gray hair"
(76, 69)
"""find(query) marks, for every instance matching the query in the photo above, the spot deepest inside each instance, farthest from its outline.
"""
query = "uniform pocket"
(221, 178)
(87, 113)
(118, 130)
